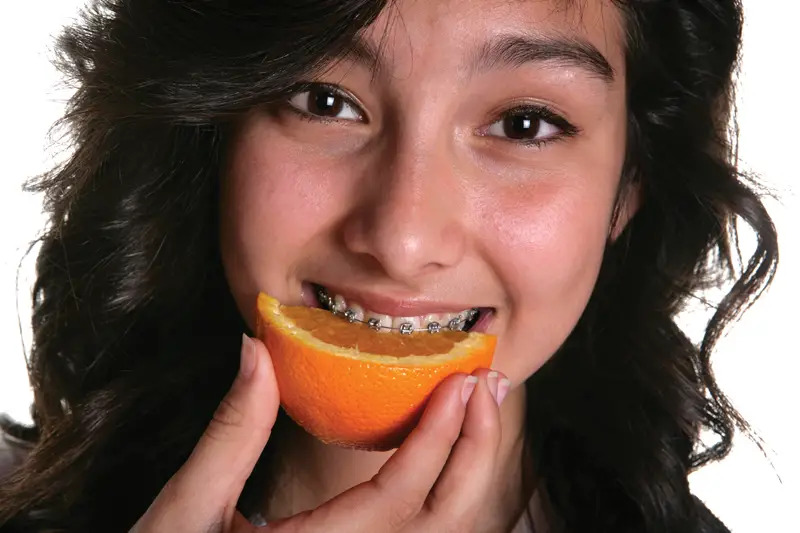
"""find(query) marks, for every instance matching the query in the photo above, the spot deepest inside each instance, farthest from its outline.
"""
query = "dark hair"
(131, 307)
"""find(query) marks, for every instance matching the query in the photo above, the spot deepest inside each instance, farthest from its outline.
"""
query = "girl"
(561, 166)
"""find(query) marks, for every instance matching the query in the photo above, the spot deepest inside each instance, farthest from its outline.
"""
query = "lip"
(397, 305)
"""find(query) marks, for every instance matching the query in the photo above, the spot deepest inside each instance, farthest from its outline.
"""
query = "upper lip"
(387, 304)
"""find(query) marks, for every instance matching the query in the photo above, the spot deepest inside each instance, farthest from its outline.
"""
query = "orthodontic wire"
(406, 328)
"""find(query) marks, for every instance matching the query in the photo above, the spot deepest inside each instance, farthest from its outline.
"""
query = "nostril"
(404, 239)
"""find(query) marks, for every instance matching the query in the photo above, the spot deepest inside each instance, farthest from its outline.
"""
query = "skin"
(417, 195)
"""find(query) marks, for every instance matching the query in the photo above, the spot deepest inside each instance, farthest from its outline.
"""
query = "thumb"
(208, 485)
(241, 426)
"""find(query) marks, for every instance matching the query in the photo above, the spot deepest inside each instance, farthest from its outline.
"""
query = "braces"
(406, 328)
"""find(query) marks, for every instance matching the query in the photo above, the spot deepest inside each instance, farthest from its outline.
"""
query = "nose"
(409, 220)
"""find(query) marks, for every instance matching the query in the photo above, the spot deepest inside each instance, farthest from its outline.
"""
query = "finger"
(395, 495)
(461, 488)
(206, 488)
(235, 437)
(240, 524)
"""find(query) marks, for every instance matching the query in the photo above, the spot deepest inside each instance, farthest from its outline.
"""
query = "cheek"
(276, 200)
(553, 242)
(547, 246)
(546, 238)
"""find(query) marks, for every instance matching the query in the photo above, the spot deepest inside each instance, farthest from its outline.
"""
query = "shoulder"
(538, 517)
(708, 521)
(12, 453)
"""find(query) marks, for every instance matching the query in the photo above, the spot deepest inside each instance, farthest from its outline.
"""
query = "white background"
(755, 363)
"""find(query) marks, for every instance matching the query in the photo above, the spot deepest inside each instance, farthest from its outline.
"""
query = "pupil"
(520, 126)
(324, 102)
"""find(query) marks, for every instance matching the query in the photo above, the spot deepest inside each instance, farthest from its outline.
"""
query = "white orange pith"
(349, 385)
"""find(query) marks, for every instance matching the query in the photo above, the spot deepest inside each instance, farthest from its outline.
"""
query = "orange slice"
(349, 385)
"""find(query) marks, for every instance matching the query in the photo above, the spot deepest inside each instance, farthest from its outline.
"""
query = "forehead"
(409, 32)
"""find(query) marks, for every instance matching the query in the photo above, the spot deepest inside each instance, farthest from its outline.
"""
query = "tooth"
(462, 316)
(454, 322)
(445, 318)
(385, 321)
(413, 320)
(358, 312)
(427, 319)
(432, 322)
(406, 328)
(434, 327)
(339, 304)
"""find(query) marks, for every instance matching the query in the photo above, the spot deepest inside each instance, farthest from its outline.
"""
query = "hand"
(436, 481)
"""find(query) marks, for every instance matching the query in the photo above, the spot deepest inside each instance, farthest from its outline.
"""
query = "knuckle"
(447, 522)
(449, 519)
(472, 448)
(401, 511)
(463, 526)
(446, 433)
(402, 507)
(488, 435)
(226, 420)
(484, 427)
(433, 503)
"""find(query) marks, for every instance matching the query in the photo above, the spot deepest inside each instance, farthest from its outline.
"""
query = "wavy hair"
(132, 312)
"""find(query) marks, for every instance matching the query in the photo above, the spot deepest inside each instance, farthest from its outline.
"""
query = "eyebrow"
(516, 50)
(511, 51)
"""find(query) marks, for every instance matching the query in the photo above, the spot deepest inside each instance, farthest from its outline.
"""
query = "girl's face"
(466, 154)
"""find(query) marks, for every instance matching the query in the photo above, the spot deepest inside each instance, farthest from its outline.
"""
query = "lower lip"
(483, 322)
(487, 313)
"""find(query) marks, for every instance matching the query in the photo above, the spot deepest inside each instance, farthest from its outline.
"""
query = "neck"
(312, 473)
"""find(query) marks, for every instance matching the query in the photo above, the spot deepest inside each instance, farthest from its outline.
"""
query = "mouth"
(428, 319)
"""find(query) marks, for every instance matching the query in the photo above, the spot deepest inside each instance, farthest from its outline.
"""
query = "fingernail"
(502, 389)
(469, 386)
(248, 362)
(491, 381)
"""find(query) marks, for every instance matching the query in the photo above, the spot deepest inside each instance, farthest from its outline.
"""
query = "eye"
(325, 102)
(531, 125)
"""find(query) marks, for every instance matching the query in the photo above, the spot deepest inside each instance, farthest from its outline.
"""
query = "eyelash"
(539, 112)
(304, 87)
(545, 114)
